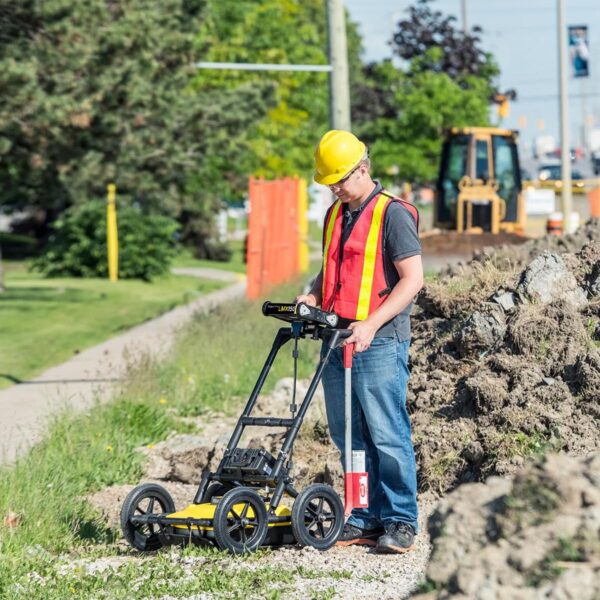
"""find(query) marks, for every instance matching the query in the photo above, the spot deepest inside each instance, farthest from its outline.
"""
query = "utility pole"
(565, 146)
(464, 16)
(339, 82)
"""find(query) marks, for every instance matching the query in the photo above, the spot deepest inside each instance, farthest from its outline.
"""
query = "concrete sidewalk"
(26, 408)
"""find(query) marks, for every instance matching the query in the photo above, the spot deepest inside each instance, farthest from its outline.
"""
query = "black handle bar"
(300, 312)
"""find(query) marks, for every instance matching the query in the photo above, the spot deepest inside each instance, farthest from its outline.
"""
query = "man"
(371, 272)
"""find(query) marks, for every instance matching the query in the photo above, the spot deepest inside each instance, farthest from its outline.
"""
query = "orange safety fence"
(594, 200)
(274, 237)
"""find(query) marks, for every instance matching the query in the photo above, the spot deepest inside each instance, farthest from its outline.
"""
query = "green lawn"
(213, 366)
(235, 263)
(46, 321)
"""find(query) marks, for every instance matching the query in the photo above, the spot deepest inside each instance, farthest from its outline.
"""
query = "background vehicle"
(479, 185)
(596, 162)
(550, 176)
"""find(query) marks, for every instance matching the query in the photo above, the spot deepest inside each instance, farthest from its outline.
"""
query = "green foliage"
(80, 455)
(97, 92)
(401, 112)
(70, 314)
(433, 39)
(78, 245)
(218, 359)
(422, 105)
(275, 31)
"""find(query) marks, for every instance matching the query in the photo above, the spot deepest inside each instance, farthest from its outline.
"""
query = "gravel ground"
(354, 572)
(372, 575)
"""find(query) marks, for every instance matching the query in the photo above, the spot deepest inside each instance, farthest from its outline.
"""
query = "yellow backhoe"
(479, 187)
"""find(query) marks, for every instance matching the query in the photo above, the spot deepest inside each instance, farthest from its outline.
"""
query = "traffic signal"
(503, 102)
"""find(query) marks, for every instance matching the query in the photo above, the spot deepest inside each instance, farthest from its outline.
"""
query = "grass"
(46, 487)
(172, 574)
(531, 502)
(235, 263)
(438, 470)
(46, 321)
(218, 359)
(470, 286)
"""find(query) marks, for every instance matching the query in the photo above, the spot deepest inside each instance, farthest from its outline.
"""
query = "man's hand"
(309, 299)
(362, 335)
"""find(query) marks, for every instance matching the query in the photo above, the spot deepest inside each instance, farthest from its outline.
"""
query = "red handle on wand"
(348, 352)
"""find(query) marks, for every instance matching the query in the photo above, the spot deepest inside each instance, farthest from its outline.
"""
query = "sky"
(523, 37)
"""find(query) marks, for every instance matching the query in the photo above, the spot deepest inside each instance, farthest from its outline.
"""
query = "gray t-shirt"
(401, 240)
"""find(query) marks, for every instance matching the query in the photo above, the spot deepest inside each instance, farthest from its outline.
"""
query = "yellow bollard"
(303, 226)
(112, 236)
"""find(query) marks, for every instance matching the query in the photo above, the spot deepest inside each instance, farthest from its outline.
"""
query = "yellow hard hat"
(336, 155)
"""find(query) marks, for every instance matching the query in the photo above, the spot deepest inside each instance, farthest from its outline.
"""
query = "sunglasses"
(345, 179)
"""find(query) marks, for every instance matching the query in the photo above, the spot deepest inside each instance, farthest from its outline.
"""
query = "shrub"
(77, 247)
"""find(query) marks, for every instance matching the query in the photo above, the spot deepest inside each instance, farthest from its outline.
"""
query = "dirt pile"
(183, 457)
(535, 535)
(505, 366)
(505, 360)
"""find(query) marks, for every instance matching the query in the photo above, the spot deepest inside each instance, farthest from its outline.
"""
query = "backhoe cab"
(479, 185)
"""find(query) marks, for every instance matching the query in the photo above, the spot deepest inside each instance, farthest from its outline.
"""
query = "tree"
(275, 31)
(97, 92)
(402, 112)
(431, 39)
(77, 246)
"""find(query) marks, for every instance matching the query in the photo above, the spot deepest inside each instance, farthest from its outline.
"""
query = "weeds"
(527, 445)
(548, 569)
(164, 574)
(469, 287)
(218, 359)
(438, 469)
(215, 363)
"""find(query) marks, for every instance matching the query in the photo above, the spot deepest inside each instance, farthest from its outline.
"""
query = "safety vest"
(355, 286)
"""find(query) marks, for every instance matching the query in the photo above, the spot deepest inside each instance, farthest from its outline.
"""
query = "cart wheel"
(240, 521)
(213, 490)
(317, 516)
(148, 498)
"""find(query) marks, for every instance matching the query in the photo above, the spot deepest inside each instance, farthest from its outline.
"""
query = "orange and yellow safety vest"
(355, 286)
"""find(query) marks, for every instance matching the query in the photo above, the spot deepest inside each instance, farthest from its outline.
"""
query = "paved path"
(91, 375)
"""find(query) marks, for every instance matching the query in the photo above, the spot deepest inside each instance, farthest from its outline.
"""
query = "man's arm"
(410, 271)
(315, 296)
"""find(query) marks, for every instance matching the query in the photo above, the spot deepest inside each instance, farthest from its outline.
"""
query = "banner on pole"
(579, 50)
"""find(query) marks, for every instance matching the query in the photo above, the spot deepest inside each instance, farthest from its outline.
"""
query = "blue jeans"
(380, 427)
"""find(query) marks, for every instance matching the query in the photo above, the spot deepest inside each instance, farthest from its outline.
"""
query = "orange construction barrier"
(273, 251)
(594, 200)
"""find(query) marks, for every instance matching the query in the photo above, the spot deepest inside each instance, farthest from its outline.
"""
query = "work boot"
(352, 535)
(398, 538)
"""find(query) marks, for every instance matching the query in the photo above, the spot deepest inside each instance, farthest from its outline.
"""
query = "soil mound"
(535, 535)
(505, 367)
(505, 360)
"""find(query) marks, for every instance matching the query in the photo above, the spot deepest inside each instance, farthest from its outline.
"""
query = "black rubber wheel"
(214, 490)
(240, 521)
(317, 516)
(145, 499)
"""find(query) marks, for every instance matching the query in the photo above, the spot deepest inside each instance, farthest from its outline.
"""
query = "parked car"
(550, 176)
